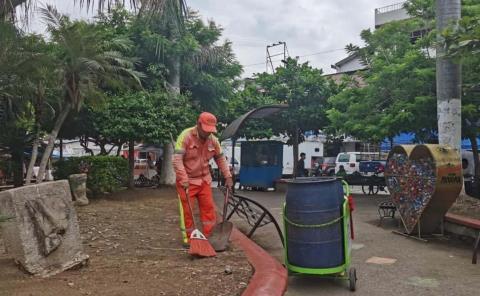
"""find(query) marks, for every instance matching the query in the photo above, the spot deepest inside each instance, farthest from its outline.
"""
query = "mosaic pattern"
(411, 184)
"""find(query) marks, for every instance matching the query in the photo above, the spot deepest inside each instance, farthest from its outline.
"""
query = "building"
(390, 13)
(383, 15)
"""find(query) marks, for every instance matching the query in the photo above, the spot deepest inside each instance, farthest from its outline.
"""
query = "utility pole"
(269, 60)
(449, 104)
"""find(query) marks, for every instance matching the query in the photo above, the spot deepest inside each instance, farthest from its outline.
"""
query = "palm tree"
(173, 11)
(448, 79)
(14, 118)
(84, 60)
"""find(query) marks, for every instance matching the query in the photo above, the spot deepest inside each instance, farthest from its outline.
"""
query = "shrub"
(105, 173)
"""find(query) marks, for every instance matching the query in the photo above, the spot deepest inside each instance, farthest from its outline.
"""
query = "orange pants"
(203, 194)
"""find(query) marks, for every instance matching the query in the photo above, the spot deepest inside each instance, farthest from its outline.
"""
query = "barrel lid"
(310, 180)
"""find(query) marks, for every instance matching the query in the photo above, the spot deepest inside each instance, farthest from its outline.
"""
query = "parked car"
(325, 166)
(372, 167)
(351, 160)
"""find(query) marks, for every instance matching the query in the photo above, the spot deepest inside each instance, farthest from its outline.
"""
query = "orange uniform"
(190, 161)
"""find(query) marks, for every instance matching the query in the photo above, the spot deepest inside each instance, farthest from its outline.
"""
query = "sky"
(315, 30)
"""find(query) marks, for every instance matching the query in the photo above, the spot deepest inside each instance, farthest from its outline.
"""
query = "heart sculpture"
(424, 181)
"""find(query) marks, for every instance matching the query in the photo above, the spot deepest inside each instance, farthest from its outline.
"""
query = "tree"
(142, 116)
(211, 71)
(84, 61)
(185, 61)
(399, 91)
(15, 94)
(305, 90)
(172, 10)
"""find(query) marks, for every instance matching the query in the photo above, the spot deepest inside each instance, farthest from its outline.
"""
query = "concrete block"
(44, 236)
(78, 185)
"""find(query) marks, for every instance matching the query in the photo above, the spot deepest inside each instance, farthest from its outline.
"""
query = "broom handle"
(190, 207)
(186, 189)
(225, 204)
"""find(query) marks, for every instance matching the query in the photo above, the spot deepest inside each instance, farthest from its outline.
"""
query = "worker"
(194, 148)
(301, 166)
(342, 173)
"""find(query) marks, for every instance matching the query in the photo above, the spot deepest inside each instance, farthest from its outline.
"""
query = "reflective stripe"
(182, 222)
(208, 222)
(181, 138)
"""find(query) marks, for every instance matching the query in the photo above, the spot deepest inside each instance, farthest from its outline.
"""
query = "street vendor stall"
(261, 164)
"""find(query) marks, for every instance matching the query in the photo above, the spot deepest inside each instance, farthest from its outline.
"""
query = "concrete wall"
(394, 12)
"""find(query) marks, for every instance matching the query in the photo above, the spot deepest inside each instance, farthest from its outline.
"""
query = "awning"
(262, 112)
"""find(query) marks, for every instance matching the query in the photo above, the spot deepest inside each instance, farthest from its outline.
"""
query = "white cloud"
(307, 26)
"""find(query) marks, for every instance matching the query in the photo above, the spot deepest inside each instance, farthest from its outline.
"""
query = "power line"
(302, 56)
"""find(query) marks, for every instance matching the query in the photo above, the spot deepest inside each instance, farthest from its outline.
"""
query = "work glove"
(229, 182)
(185, 185)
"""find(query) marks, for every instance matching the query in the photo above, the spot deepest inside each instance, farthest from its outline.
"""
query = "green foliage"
(86, 59)
(301, 86)
(143, 116)
(105, 173)
(210, 71)
(304, 89)
(399, 95)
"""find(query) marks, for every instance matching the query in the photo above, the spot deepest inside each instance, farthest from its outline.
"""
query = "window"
(344, 157)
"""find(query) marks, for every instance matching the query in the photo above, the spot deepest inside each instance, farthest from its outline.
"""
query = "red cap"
(208, 122)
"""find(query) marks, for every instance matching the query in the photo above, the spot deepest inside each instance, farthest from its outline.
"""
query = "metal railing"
(393, 7)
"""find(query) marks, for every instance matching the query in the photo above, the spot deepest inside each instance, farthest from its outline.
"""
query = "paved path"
(440, 267)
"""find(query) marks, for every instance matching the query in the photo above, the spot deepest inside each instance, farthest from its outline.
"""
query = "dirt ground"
(466, 206)
(133, 240)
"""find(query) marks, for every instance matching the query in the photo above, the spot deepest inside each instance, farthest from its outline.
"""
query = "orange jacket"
(191, 157)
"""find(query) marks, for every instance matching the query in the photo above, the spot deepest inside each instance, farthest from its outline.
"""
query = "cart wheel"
(352, 278)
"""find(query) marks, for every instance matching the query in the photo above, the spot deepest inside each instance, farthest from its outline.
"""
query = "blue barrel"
(310, 202)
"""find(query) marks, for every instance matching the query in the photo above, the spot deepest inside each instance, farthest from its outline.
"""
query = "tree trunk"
(119, 149)
(7, 9)
(17, 160)
(51, 141)
(167, 175)
(131, 163)
(33, 159)
(61, 149)
(295, 152)
(448, 79)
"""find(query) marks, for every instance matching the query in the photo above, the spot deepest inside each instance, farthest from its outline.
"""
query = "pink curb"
(462, 220)
(270, 277)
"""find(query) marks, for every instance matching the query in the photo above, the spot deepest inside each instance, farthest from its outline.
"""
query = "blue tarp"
(409, 138)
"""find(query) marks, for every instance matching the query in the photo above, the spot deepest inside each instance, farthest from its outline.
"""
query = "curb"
(270, 277)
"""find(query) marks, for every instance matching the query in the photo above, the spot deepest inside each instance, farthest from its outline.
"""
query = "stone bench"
(469, 223)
